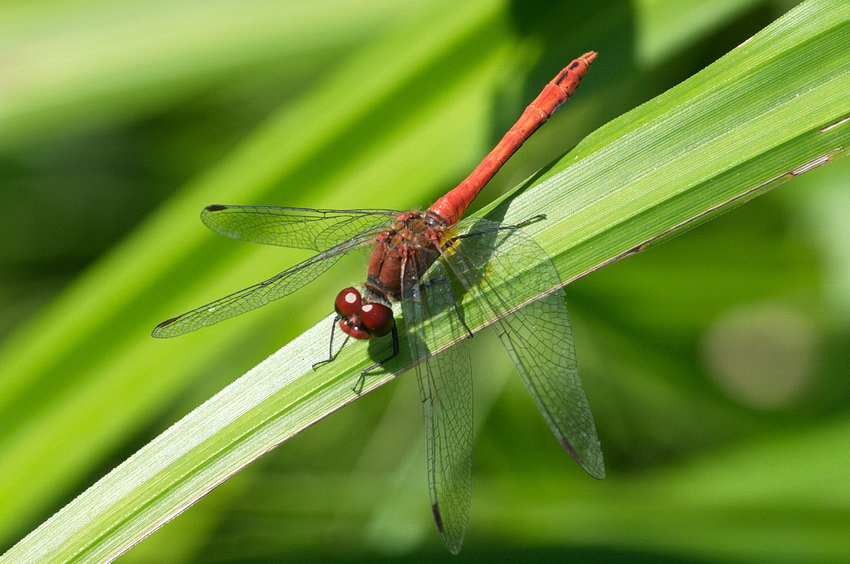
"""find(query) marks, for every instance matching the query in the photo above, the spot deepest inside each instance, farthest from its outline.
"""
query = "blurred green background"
(715, 364)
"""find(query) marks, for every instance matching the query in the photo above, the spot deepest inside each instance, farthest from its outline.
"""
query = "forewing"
(300, 228)
(259, 294)
(445, 389)
(503, 268)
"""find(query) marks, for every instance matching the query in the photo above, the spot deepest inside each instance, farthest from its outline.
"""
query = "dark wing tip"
(569, 448)
(452, 543)
(592, 466)
(215, 208)
(438, 519)
(158, 330)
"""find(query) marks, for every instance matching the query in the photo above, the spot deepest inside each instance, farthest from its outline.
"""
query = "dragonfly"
(415, 257)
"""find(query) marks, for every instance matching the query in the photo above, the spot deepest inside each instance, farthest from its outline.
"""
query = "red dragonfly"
(497, 265)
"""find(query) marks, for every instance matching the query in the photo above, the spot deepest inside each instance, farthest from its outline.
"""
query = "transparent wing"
(502, 268)
(300, 228)
(262, 293)
(445, 389)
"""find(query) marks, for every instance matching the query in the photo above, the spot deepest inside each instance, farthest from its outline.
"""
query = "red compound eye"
(359, 320)
(348, 302)
(377, 318)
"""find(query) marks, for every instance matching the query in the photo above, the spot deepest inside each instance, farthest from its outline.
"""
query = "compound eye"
(348, 302)
(377, 318)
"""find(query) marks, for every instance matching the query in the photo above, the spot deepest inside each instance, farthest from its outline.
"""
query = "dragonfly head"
(360, 320)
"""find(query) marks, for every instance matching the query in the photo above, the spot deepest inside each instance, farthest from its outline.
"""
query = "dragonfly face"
(360, 320)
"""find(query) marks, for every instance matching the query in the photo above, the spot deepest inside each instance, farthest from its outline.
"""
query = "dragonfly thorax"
(402, 254)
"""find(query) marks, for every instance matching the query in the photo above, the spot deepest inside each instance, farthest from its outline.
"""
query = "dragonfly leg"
(529, 221)
(331, 354)
(361, 380)
(462, 322)
(448, 286)
(520, 225)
